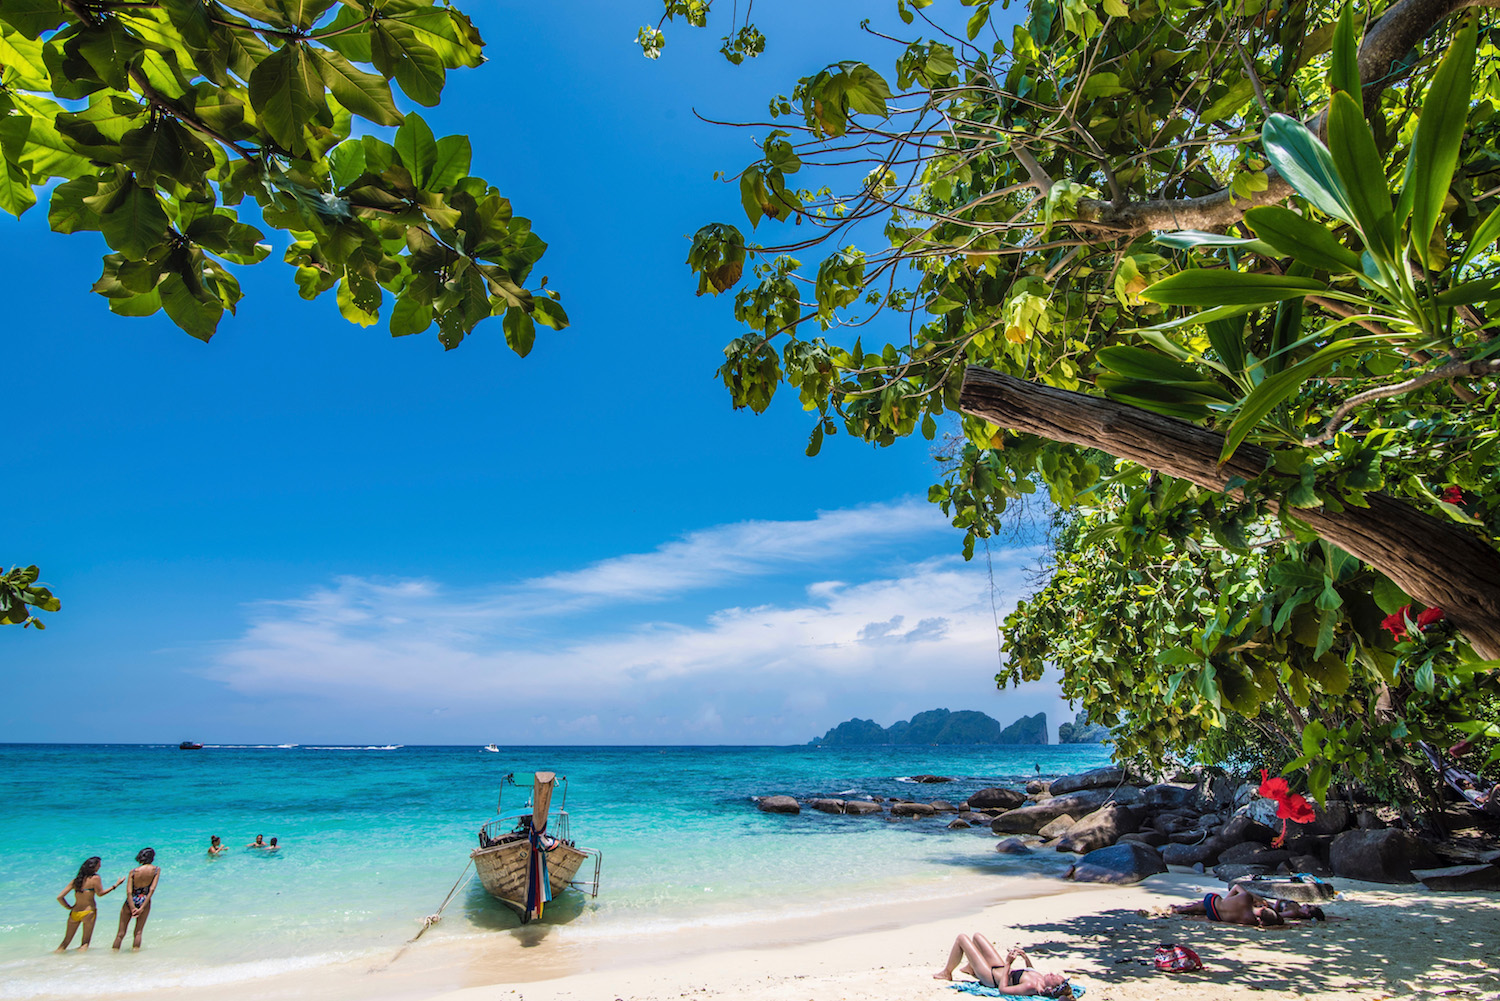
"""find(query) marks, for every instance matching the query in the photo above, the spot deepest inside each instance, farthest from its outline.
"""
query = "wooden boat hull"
(502, 870)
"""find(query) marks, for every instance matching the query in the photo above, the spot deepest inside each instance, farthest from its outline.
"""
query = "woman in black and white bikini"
(143, 880)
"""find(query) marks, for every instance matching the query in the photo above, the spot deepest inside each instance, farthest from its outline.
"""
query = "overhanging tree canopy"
(157, 119)
(1258, 237)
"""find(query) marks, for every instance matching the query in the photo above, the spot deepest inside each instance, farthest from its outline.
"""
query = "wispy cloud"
(715, 556)
(905, 635)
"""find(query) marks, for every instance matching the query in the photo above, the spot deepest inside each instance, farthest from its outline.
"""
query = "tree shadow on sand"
(1382, 941)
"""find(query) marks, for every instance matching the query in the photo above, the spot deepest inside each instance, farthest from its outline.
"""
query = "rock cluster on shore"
(1126, 829)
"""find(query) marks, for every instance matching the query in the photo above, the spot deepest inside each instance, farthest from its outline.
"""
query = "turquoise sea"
(374, 837)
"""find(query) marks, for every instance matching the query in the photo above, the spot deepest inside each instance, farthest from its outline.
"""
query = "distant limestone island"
(1081, 731)
(938, 726)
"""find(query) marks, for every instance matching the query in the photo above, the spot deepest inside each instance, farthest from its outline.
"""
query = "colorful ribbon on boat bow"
(538, 883)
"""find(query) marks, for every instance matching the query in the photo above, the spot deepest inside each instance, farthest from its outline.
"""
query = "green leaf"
(549, 313)
(1306, 164)
(396, 52)
(1295, 575)
(190, 312)
(520, 332)
(1352, 146)
(1484, 235)
(1343, 67)
(1205, 287)
(281, 92)
(1469, 292)
(1151, 366)
(1276, 389)
(133, 221)
(410, 315)
(1236, 97)
(1227, 336)
(16, 195)
(1440, 132)
(452, 163)
(364, 94)
(1295, 236)
(417, 148)
(1388, 596)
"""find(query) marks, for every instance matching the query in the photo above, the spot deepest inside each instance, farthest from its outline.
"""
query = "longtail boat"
(528, 857)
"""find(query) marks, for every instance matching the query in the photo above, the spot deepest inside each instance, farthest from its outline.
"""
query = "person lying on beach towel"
(1240, 906)
(984, 963)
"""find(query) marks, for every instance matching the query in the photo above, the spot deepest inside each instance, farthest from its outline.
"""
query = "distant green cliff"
(938, 726)
(1081, 731)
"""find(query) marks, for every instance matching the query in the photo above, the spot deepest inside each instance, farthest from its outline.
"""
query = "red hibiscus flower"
(1291, 807)
(1427, 617)
(1453, 495)
(1396, 623)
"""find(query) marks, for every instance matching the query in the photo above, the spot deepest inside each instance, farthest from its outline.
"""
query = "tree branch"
(1381, 62)
(1453, 370)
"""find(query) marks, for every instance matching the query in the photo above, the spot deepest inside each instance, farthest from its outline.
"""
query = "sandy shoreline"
(1384, 942)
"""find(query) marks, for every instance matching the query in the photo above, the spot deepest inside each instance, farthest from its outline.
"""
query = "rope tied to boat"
(435, 916)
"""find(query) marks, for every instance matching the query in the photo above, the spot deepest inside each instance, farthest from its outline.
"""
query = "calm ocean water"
(374, 838)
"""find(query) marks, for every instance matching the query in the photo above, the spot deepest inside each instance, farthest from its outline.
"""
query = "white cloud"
(907, 636)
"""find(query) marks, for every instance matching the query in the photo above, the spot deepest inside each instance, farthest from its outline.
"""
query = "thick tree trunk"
(1437, 562)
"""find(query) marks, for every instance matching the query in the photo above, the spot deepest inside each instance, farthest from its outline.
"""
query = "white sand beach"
(1381, 942)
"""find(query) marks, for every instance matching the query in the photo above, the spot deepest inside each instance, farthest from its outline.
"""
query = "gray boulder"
(1243, 828)
(1168, 795)
(1460, 878)
(861, 807)
(1254, 852)
(1102, 827)
(1038, 785)
(777, 804)
(1231, 871)
(1123, 863)
(1013, 846)
(943, 806)
(958, 825)
(995, 798)
(1384, 856)
(1031, 819)
(1189, 854)
(1151, 839)
(1099, 778)
(912, 810)
(931, 779)
(827, 805)
(1310, 864)
(1057, 828)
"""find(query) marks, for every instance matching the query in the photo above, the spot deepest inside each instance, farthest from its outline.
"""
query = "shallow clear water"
(374, 838)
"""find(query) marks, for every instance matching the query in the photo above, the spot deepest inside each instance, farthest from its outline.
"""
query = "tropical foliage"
(1270, 220)
(152, 123)
(20, 593)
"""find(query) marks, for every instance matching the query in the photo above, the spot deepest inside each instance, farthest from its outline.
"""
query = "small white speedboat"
(491, 748)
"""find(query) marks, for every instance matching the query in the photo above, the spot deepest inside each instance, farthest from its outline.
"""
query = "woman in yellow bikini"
(143, 881)
(82, 912)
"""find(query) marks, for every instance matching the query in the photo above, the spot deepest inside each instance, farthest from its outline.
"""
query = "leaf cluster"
(152, 123)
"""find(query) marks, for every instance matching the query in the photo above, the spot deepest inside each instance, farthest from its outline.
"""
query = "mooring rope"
(434, 917)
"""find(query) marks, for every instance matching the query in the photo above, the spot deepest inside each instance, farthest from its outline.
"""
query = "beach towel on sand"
(975, 987)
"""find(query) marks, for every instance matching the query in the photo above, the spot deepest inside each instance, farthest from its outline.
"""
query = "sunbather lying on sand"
(1240, 906)
(984, 963)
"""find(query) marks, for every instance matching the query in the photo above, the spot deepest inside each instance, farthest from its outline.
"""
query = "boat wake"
(351, 747)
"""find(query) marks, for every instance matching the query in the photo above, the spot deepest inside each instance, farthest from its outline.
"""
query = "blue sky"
(308, 531)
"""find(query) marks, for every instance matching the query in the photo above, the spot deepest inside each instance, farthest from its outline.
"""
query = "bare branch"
(1453, 370)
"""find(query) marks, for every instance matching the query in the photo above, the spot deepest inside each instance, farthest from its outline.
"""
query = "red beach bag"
(1174, 958)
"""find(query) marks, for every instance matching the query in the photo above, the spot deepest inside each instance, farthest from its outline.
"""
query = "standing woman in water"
(83, 911)
(143, 881)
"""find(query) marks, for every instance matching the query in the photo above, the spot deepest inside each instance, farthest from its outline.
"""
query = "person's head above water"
(273, 842)
(213, 839)
(260, 839)
(89, 868)
(145, 856)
